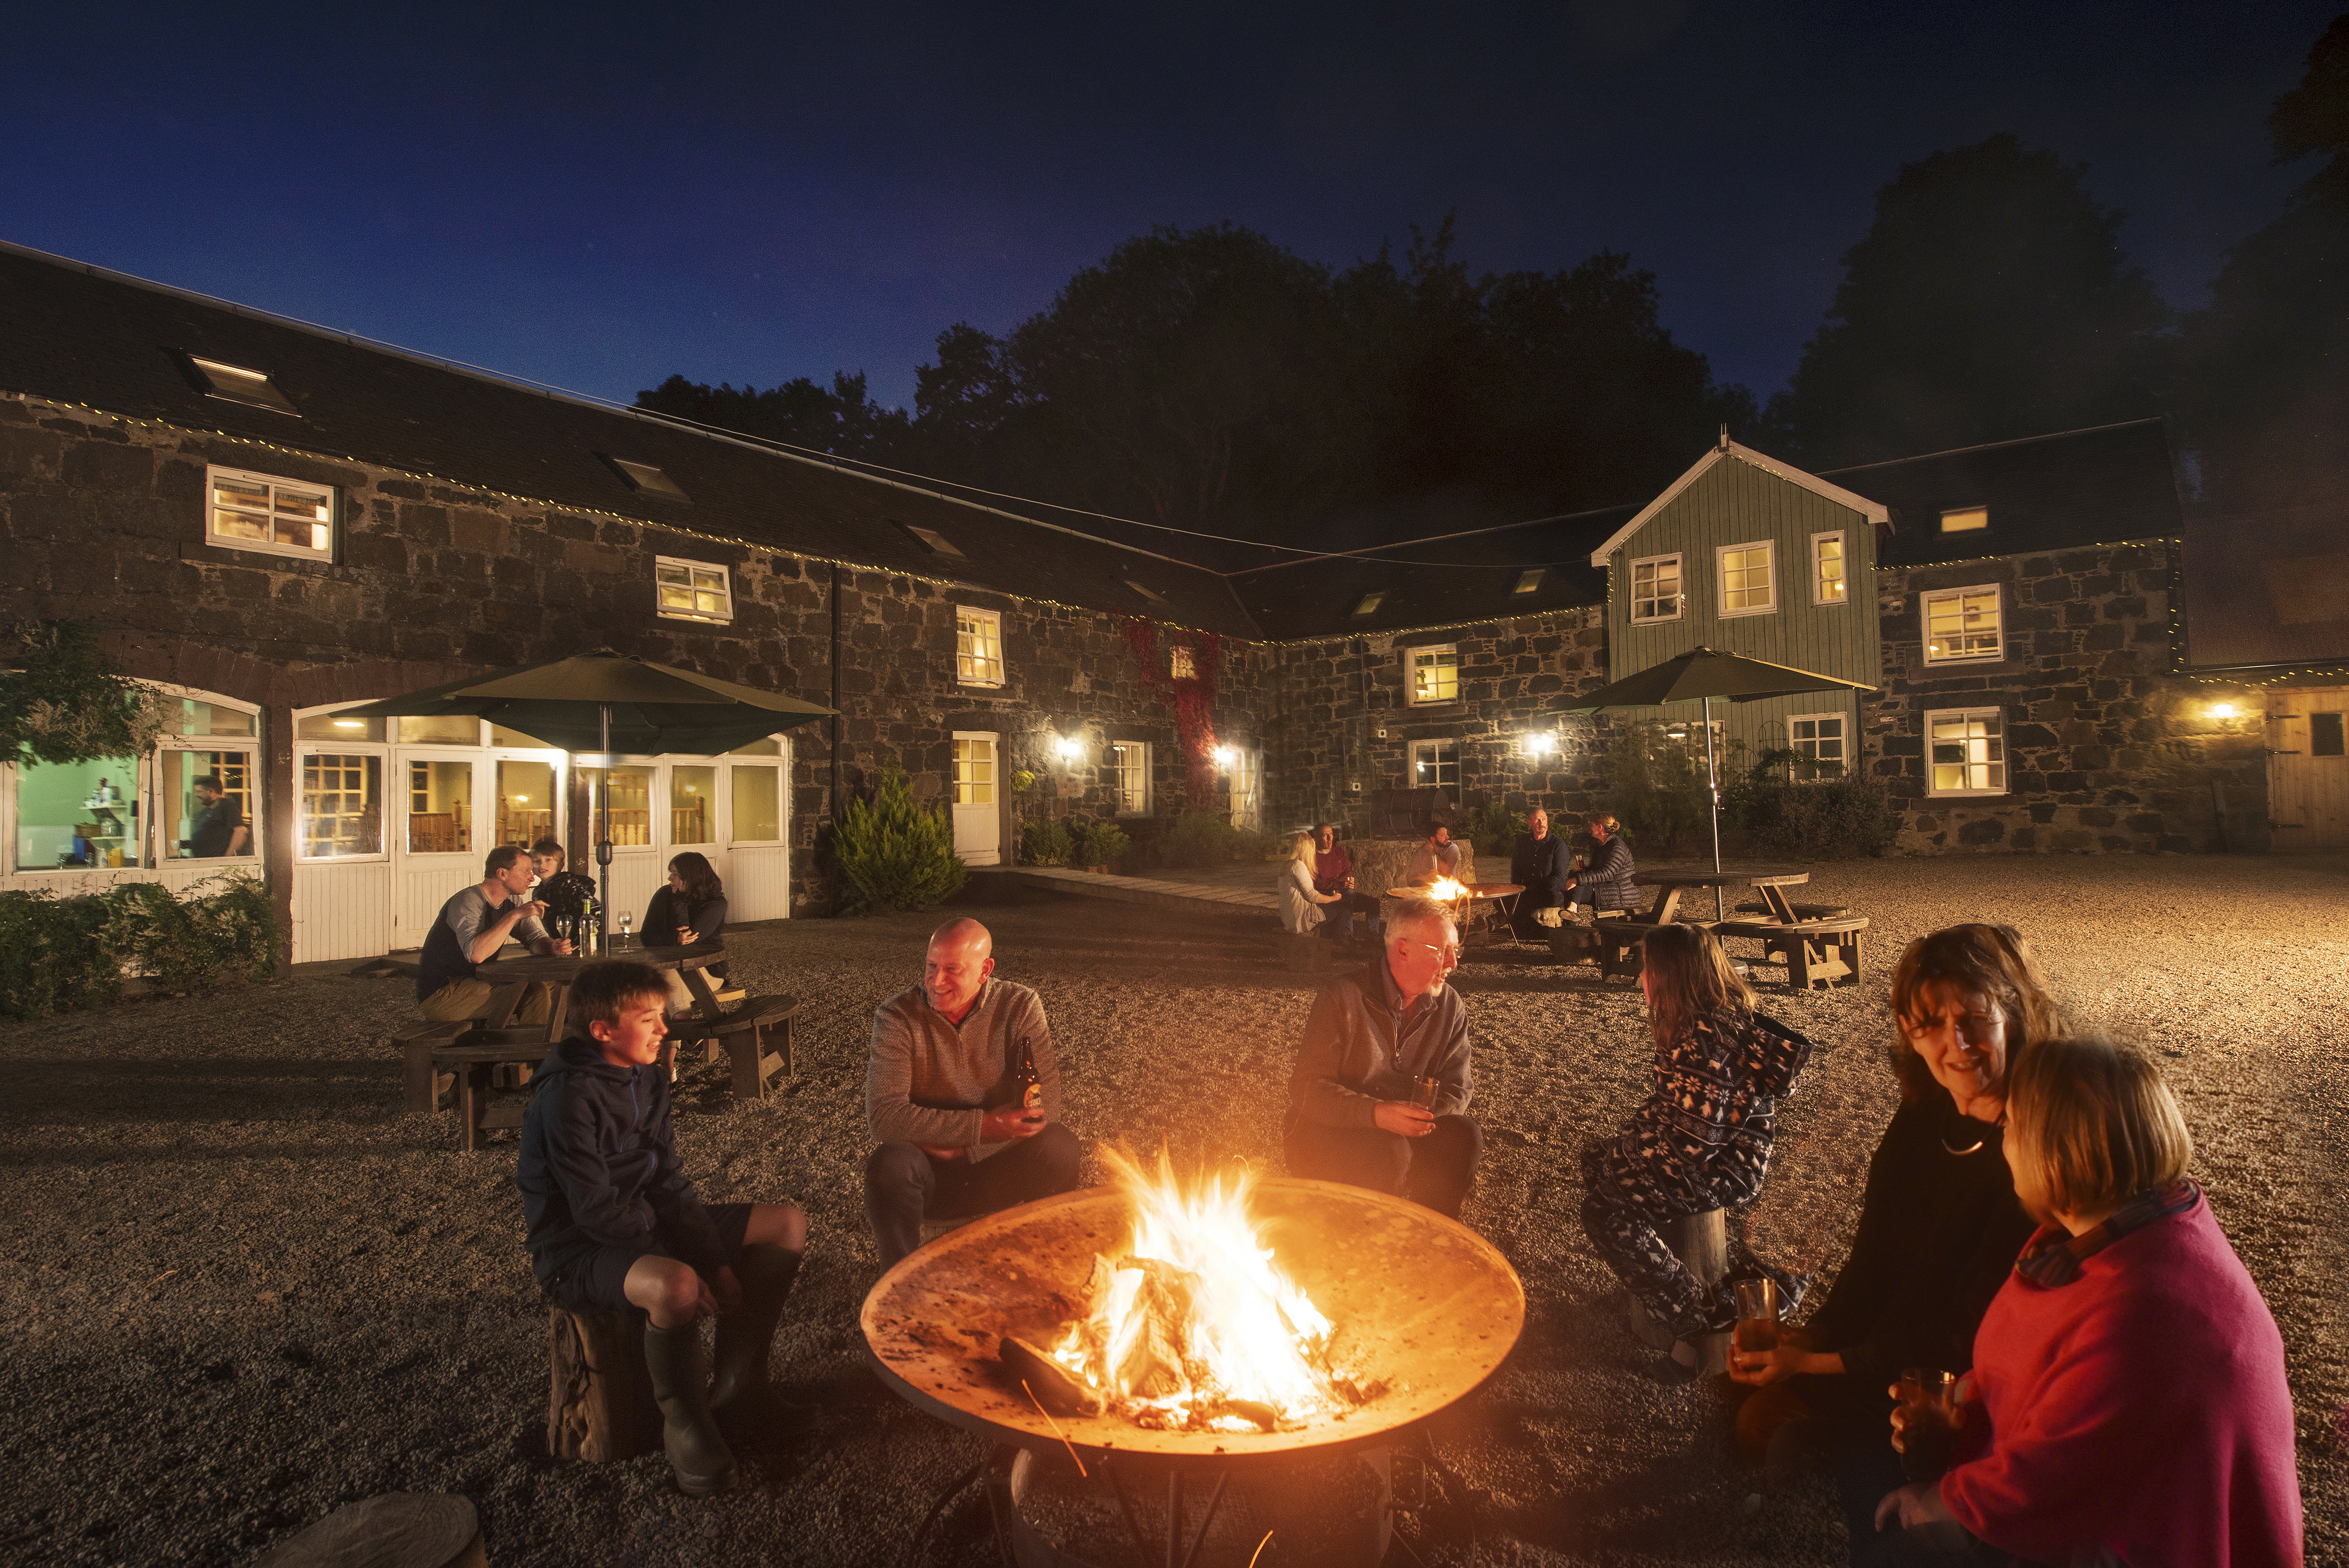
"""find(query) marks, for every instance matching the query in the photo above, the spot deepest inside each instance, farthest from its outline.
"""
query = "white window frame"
(2002, 763)
(1679, 592)
(1433, 651)
(1720, 607)
(1842, 739)
(145, 851)
(974, 666)
(1248, 788)
(1925, 603)
(1843, 565)
(216, 472)
(694, 588)
(1129, 778)
(1434, 752)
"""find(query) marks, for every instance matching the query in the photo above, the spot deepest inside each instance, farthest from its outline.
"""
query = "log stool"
(398, 1530)
(599, 1399)
(1702, 1244)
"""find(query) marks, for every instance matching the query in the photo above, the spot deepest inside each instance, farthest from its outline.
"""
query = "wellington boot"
(739, 1393)
(697, 1453)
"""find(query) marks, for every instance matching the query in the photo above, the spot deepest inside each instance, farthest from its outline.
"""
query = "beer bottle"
(1023, 1075)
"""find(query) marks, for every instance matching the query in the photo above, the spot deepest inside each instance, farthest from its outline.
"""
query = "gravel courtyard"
(243, 1287)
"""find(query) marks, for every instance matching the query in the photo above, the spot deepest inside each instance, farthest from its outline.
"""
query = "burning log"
(1050, 1382)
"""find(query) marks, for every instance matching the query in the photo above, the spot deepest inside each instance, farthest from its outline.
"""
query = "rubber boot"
(739, 1393)
(698, 1456)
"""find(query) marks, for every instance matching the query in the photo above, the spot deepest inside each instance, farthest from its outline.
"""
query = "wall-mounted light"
(1541, 743)
(1225, 756)
(1070, 748)
(2222, 710)
(351, 724)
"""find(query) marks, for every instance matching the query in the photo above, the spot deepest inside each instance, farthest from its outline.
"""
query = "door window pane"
(631, 804)
(525, 802)
(342, 805)
(440, 806)
(463, 730)
(974, 771)
(206, 801)
(692, 805)
(335, 726)
(76, 813)
(758, 804)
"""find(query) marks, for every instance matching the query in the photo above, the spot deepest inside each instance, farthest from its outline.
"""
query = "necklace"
(1975, 1148)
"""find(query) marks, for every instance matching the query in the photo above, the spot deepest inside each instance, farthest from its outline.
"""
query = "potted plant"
(1101, 845)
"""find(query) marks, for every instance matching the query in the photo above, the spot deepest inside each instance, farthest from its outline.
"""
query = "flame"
(1197, 1329)
(1445, 891)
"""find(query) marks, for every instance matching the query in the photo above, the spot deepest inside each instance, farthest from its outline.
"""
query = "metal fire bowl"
(1419, 1300)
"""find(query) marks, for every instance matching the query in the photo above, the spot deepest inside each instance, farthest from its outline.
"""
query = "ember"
(1196, 1329)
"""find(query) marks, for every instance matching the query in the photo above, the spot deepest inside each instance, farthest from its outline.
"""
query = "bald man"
(941, 1097)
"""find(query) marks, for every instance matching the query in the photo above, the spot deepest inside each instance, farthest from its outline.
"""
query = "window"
(692, 804)
(1965, 519)
(440, 807)
(1183, 663)
(2325, 735)
(526, 801)
(692, 590)
(978, 647)
(1247, 788)
(758, 802)
(1370, 602)
(647, 480)
(1435, 765)
(193, 798)
(929, 539)
(1818, 739)
(1528, 580)
(1968, 751)
(1129, 763)
(974, 770)
(342, 805)
(75, 815)
(1152, 595)
(272, 515)
(1749, 579)
(1830, 583)
(1961, 623)
(630, 807)
(1435, 674)
(1656, 589)
(238, 384)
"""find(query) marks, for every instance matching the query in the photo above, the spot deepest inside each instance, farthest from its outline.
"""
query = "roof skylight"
(1152, 595)
(1369, 603)
(1529, 579)
(650, 479)
(931, 540)
(238, 384)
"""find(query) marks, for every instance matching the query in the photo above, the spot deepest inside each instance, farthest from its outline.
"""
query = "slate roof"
(2268, 589)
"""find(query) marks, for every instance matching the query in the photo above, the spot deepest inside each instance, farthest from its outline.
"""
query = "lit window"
(1748, 579)
(273, 516)
(1656, 589)
(1183, 663)
(936, 544)
(1435, 674)
(974, 770)
(1528, 580)
(238, 384)
(342, 805)
(1370, 602)
(978, 647)
(648, 479)
(1817, 741)
(692, 590)
(1965, 519)
(1830, 583)
(1968, 751)
(1435, 765)
(1129, 763)
(1961, 623)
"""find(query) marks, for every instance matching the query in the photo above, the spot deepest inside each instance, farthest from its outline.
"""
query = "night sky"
(595, 197)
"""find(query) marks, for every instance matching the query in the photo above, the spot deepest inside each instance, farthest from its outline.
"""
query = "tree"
(844, 420)
(2267, 394)
(1989, 300)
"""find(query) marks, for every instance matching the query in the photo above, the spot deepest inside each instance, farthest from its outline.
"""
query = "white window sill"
(1742, 614)
(1967, 794)
(262, 547)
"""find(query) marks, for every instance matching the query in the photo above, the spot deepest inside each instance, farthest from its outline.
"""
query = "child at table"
(614, 1225)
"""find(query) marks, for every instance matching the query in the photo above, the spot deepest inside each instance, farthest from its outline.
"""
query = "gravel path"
(243, 1287)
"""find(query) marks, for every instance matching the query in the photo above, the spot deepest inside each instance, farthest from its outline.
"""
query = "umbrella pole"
(1713, 785)
(604, 836)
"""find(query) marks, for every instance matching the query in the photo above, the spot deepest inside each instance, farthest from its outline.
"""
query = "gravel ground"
(245, 1287)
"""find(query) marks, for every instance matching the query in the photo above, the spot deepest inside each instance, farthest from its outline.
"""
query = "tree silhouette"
(842, 420)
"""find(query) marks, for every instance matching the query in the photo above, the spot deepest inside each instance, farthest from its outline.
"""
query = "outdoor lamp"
(1069, 748)
(2222, 710)
(1541, 743)
(1225, 755)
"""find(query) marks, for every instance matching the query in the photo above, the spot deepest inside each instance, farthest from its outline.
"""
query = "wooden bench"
(742, 1037)
(1817, 954)
(474, 1059)
(1800, 912)
(420, 1085)
(1572, 944)
(1618, 943)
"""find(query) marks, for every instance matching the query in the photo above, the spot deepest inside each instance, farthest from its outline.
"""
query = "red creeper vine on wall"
(1192, 696)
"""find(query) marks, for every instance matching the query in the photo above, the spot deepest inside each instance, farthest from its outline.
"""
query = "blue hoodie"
(598, 1169)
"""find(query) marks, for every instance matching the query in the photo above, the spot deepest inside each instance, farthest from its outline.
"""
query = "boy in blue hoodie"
(615, 1227)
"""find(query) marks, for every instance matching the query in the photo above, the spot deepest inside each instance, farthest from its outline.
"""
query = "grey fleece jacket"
(930, 1081)
(1360, 1049)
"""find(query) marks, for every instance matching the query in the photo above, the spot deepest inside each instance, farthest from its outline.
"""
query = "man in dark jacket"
(1539, 865)
(1374, 1037)
(614, 1225)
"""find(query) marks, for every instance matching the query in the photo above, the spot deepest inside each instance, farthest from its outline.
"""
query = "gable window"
(1961, 623)
(647, 480)
(1435, 765)
(1830, 583)
(1129, 763)
(1529, 579)
(1966, 747)
(267, 513)
(693, 590)
(1749, 578)
(1183, 663)
(1818, 739)
(978, 647)
(1435, 674)
(1965, 519)
(1656, 589)
(235, 384)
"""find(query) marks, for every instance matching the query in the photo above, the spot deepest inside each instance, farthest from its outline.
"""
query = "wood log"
(1053, 1384)
(599, 1402)
(399, 1530)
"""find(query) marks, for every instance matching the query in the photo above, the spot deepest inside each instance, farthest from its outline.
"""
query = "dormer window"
(1529, 579)
(237, 385)
(1369, 603)
(929, 539)
(647, 480)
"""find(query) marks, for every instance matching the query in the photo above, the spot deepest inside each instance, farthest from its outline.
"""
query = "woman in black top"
(1940, 1226)
(691, 908)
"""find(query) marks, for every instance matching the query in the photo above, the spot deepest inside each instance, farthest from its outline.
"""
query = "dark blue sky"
(596, 197)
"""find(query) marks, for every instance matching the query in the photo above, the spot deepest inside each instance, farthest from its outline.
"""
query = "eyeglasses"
(1451, 953)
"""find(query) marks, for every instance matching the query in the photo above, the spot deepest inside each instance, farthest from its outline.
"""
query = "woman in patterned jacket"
(1701, 1139)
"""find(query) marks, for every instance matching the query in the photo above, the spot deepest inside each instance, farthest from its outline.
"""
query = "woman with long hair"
(1701, 1139)
(2126, 1401)
(1939, 1221)
(1299, 904)
(689, 910)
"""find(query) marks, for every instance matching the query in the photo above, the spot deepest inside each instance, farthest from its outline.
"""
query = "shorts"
(594, 1279)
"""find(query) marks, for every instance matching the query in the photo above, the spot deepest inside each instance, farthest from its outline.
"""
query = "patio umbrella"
(1701, 674)
(601, 701)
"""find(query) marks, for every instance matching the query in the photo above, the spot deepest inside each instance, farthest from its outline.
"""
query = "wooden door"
(2308, 773)
(978, 811)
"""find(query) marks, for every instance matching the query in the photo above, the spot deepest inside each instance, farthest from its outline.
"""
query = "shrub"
(65, 954)
(1655, 786)
(1046, 842)
(1493, 829)
(1835, 818)
(894, 854)
(1102, 844)
(1198, 839)
(1256, 844)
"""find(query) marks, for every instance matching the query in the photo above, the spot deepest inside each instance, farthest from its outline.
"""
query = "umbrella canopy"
(1703, 673)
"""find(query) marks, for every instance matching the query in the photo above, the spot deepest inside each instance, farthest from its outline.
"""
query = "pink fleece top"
(2139, 1410)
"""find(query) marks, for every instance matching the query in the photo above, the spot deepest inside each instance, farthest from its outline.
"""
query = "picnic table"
(1618, 936)
(1819, 944)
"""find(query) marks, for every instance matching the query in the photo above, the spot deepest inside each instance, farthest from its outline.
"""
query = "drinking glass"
(1929, 1435)
(624, 929)
(1422, 1092)
(1757, 1315)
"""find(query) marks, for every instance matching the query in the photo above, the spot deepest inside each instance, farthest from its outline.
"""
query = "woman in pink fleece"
(2127, 1402)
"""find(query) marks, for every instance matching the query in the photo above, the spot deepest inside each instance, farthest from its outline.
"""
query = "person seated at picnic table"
(2128, 1401)
(1700, 1140)
(1371, 1039)
(1436, 859)
(614, 1227)
(690, 909)
(1938, 1223)
(466, 934)
(1300, 905)
(1333, 872)
(220, 832)
(568, 895)
(1538, 864)
(944, 1098)
(1605, 880)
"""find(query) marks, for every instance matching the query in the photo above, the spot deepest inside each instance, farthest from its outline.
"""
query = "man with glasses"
(1380, 1096)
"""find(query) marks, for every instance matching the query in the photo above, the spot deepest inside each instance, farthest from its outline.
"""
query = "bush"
(1493, 829)
(894, 854)
(1046, 842)
(66, 954)
(1256, 844)
(1198, 839)
(1102, 844)
(1835, 818)
(1655, 786)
